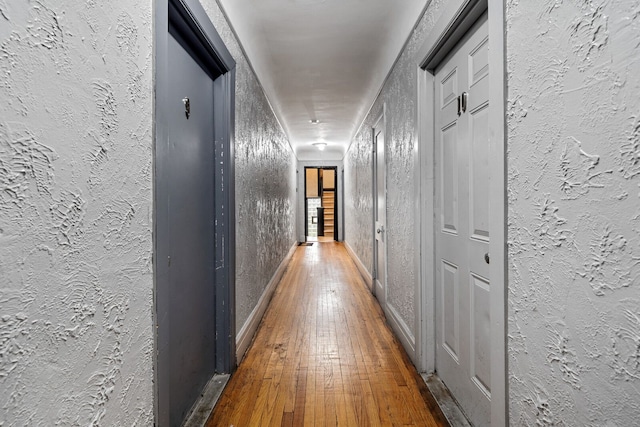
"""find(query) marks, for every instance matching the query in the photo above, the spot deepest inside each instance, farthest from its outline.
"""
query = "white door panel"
(380, 212)
(463, 327)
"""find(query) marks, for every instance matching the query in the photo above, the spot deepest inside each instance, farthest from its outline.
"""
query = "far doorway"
(320, 204)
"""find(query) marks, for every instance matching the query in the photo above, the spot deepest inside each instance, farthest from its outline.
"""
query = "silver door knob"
(379, 230)
(486, 257)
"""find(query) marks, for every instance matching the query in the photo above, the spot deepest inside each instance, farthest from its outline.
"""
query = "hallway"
(323, 355)
(152, 196)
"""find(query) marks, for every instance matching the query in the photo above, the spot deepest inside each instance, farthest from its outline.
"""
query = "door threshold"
(445, 400)
(206, 402)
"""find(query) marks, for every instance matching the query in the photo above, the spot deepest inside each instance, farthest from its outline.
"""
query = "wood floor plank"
(324, 355)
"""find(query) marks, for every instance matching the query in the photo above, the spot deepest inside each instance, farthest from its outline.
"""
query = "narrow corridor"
(323, 355)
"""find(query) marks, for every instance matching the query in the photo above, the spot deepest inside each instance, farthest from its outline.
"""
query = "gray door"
(194, 217)
(380, 212)
(190, 222)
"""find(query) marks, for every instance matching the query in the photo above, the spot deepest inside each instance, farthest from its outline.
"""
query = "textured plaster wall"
(574, 212)
(358, 197)
(76, 283)
(400, 96)
(265, 181)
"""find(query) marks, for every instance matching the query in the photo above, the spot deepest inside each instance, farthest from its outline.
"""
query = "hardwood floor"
(323, 355)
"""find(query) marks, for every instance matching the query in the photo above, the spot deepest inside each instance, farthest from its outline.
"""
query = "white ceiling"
(323, 60)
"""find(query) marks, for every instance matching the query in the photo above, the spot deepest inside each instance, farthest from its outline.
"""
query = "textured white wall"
(358, 197)
(574, 212)
(265, 181)
(76, 282)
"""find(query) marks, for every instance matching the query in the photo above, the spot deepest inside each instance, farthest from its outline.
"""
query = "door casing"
(301, 231)
(337, 193)
(457, 18)
(190, 21)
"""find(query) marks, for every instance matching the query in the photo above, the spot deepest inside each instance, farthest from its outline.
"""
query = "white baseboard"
(402, 331)
(248, 330)
(368, 279)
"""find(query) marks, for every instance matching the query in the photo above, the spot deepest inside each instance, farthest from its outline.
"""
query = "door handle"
(465, 96)
(380, 230)
(459, 106)
(486, 258)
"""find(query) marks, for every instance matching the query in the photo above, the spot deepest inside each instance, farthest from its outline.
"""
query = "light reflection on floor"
(320, 239)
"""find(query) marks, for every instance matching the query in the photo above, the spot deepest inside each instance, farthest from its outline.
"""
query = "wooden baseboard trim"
(368, 279)
(402, 331)
(248, 330)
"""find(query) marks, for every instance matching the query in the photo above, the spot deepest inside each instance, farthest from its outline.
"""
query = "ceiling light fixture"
(314, 121)
(320, 145)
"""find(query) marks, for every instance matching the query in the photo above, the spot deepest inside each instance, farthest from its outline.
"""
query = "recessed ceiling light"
(314, 121)
(320, 145)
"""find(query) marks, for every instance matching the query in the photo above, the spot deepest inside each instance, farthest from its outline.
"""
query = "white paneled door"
(463, 329)
(380, 212)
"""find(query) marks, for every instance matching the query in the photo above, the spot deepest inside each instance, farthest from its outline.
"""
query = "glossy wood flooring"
(324, 356)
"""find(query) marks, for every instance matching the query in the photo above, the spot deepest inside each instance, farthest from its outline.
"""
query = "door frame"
(189, 19)
(304, 198)
(300, 198)
(336, 198)
(381, 120)
(457, 18)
